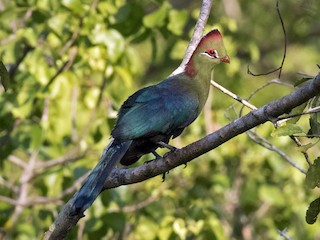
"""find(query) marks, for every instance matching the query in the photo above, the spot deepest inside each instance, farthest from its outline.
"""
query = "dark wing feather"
(160, 109)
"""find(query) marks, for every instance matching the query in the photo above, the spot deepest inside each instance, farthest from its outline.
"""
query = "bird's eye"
(212, 53)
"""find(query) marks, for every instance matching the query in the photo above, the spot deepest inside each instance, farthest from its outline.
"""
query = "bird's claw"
(157, 156)
(168, 146)
(164, 176)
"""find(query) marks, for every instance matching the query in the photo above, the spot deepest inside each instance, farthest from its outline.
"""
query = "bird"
(153, 115)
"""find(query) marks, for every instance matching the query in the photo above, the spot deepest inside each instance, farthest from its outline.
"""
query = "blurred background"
(71, 65)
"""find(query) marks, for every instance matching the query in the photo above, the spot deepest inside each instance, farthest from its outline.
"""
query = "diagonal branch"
(197, 34)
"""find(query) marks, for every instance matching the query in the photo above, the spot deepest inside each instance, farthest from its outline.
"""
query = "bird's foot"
(168, 146)
(164, 176)
(157, 156)
(185, 165)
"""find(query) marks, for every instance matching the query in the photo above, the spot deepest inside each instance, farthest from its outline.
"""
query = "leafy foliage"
(313, 211)
(71, 64)
(313, 174)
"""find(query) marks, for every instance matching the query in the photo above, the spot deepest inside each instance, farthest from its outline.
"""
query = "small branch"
(17, 161)
(70, 157)
(74, 102)
(309, 111)
(284, 51)
(64, 67)
(94, 112)
(24, 187)
(140, 205)
(8, 185)
(29, 202)
(305, 154)
(13, 68)
(9, 200)
(283, 233)
(285, 40)
(197, 34)
(268, 145)
(308, 135)
(234, 96)
(73, 38)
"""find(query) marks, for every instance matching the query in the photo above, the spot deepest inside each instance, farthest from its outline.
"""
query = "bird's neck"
(201, 76)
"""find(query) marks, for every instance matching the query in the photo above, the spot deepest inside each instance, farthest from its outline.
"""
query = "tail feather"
(93, 185)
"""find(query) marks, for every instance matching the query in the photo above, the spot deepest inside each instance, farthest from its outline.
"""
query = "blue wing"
(164, 109)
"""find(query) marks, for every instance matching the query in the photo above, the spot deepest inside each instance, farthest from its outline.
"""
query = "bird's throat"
(201, 81)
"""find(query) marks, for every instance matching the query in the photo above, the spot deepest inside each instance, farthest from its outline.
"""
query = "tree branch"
(197, 34)
(65, 221)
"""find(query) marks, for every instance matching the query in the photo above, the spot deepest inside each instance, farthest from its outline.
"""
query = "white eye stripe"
(215, 53)
(211, 53)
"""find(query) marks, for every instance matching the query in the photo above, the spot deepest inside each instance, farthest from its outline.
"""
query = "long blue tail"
(94, 182)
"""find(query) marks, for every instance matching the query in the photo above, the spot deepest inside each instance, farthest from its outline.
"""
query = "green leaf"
(158, 18)
(272, 195)
(302, 80)
(314, 125)
(90, 99)
(4, 76)
(74, 5)
(128, 19)
(57, 23)
(112, 39)
(287, 130)
(313, 211)
(29, 36)
(36, 137)
(177, 21)
(313, 174)
(297, 110)
(179, 228)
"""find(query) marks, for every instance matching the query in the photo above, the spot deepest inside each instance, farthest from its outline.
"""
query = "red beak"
(226, 59)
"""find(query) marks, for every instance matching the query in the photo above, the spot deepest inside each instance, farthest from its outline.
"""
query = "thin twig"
(28, 202)
(24, 188)
(69, 157)
(64, 67)
(14, 67)
(284, 51)
(285, 40)
(283, 233)
(268, 145)
(74, 102)
(197, 34)
(17, 161)
(94, 112)
(9, 200)
(309, 111)
(305, 154)
(8, 185)
(234, 96)
(140, 205)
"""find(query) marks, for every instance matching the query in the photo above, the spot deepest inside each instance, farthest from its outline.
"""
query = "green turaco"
(151, 116)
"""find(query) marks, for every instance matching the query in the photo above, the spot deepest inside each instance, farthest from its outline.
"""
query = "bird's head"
(211, 48)
(209, 52)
